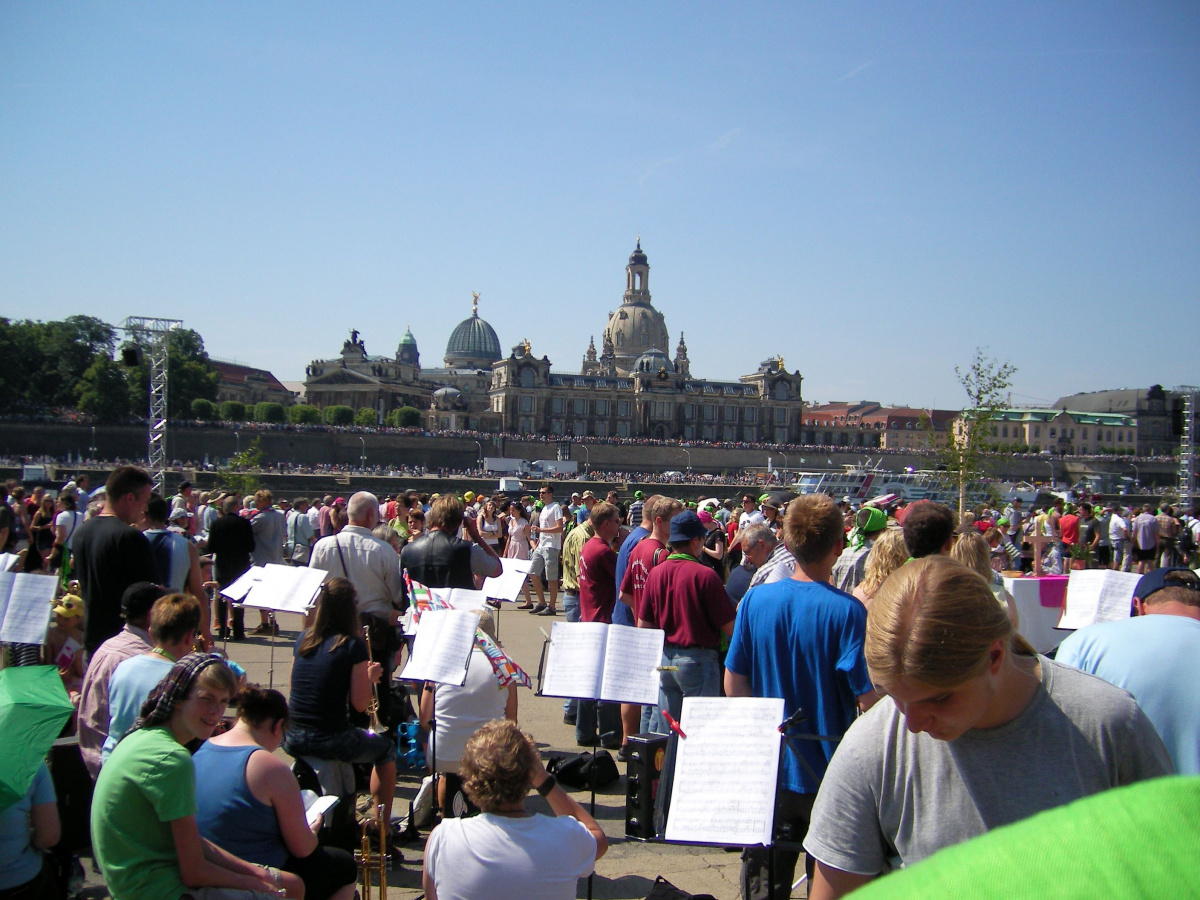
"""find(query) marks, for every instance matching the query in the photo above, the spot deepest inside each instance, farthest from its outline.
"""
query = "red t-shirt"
(641, 561)
(597, 581)
(1068, 528)
(687, 600)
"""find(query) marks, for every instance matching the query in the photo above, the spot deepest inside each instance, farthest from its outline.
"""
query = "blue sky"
(870, 189)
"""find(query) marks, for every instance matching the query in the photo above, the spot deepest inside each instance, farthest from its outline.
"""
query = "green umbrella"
(33, 709)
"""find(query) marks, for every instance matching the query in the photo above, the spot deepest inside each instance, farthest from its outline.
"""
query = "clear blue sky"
(870, 189)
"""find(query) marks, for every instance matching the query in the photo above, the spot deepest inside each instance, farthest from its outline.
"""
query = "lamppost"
(1050, 463)
(587, 457)
(92, 448)
(689, 457)
(238, 436)
(362, 459)
(1137, 476)
(479, 457)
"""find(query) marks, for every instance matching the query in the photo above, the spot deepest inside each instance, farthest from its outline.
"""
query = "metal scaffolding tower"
(151, 335)
(1187, 445)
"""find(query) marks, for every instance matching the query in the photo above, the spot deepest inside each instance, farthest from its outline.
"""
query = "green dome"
(408, 338)
(473, 344)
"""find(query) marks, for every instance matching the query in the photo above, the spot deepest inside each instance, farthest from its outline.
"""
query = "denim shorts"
(352, 745)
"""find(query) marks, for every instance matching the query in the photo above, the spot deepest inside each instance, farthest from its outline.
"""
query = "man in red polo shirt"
(597, 595)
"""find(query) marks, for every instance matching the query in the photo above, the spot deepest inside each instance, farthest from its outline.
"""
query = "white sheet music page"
(27, 614)
(574, 660)
(241, 586)
(507, 585)
(631, 660)
(8, 562)
(461, 598)
(442, 648)
(1097, 595)
(285, 588)
(726, 771)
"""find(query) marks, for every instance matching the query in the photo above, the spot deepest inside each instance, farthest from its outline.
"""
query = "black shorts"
(1103, 555)
(1145, 555)
(324, 872)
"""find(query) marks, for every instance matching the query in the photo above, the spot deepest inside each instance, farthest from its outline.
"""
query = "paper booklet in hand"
(26, 600)
(1097, 595)
(716, 799)
(595, 661)
(442, 649)
(317, 805)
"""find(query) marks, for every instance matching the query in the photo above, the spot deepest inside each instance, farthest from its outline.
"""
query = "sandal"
(528, 604)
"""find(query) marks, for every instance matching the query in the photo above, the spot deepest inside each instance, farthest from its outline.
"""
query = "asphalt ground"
(626, 872)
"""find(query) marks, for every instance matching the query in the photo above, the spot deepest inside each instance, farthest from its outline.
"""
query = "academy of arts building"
(630, 389)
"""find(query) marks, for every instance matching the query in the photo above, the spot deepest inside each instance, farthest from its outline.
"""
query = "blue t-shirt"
(19, 862)
(1157, 659)
(622, 614)
(130, 685)
(320, 694)
(803, 641)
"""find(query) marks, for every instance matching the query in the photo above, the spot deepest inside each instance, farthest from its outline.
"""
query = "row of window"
(659, 409)
(1068, 433)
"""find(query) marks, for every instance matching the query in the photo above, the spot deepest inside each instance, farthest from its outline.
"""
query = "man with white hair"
(373, 567)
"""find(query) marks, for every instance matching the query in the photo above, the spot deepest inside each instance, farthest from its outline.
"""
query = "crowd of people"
(889, 627)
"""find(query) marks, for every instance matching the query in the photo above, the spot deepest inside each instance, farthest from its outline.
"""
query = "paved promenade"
(629, 868)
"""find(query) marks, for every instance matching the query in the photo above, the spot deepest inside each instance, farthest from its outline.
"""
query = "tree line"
(77, 364)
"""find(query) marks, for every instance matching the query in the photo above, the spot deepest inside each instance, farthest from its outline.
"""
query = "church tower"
(636, 327)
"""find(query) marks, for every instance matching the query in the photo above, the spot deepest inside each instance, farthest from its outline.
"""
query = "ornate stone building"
(632, 388)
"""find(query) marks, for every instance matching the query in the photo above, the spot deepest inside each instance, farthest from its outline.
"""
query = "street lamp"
(92, 448)
(479, 458)
(238, 435)
(1050, 463)
(362, 460)
(1137, 476)
(689, 457)
(587, 457)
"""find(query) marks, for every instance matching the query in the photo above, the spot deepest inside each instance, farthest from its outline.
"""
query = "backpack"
(1186, 542)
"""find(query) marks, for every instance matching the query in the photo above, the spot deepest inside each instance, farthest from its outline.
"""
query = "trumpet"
(373, 709)
(378, 863)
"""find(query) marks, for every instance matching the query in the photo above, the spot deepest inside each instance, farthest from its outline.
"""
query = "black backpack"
(160, 552)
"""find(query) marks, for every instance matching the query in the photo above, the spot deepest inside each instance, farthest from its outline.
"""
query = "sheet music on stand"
(291, 589)
(507, 585)
(442, 649)
(26, 600)
(8, 562)
(1097, 595)
(714, 800)
(241, 586)
(460, 598)
(595, 661)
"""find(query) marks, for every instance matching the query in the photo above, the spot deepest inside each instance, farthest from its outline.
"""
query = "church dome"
(635, 329)
(638, 256)
(652, 362)
(473, 344)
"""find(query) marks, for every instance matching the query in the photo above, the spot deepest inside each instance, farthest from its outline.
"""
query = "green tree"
(268, 412)
(233, 411)
(366, 417)
(203, 409)
(961, 450)
(190, 373)
(241, 475)
(303, 414)
(102, 390)
(404, 417)
(338, 415)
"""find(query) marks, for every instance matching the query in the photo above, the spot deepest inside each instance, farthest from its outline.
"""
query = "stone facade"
(1157, 414)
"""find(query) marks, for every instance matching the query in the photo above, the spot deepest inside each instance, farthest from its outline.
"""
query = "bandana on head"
(172, 690)
(876, 520)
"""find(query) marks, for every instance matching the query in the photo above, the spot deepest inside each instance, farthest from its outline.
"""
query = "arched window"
(527, 378)
(781, 391)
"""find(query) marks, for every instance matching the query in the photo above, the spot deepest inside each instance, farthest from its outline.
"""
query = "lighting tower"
(152, 334)
(1187, 445)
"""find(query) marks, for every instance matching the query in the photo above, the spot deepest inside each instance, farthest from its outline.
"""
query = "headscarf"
(876, 521)
(172, 690)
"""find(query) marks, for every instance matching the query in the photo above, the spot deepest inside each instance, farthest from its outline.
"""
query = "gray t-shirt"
(892, 793)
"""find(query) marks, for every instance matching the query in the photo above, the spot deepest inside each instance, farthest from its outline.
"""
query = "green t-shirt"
(1137, 842)
(147, 783)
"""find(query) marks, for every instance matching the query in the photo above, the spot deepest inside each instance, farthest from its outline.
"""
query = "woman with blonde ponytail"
(981, 731)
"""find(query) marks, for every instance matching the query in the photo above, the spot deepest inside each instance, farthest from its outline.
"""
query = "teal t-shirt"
(1137, 842)
(147, 783)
